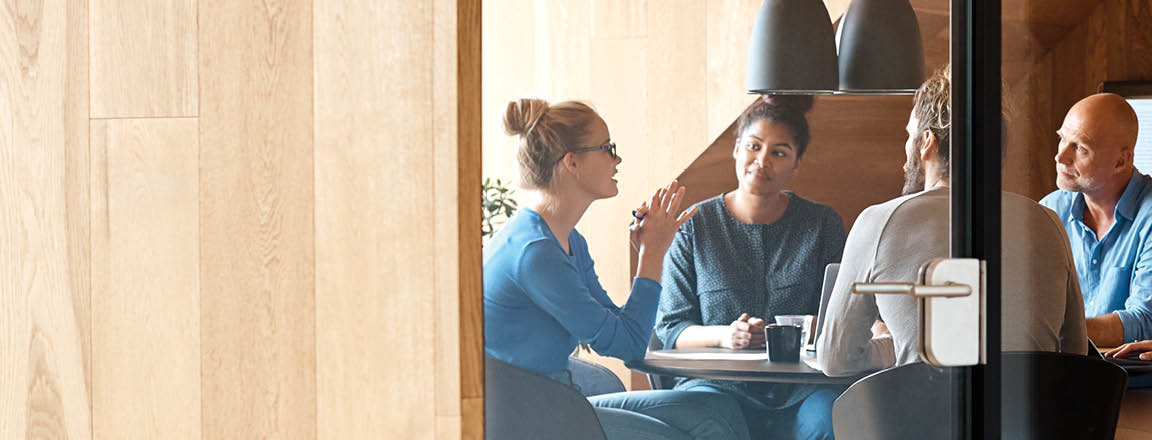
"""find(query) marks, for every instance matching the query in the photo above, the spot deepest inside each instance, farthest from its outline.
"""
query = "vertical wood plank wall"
(257, 242)
(145, 272)
(220, 219)
(45, 309)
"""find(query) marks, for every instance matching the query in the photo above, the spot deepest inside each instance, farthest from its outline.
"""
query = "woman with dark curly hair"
(749, 255)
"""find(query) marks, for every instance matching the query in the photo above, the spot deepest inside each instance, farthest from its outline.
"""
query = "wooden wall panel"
(143, 58)
(146, 308)
(1116, 16)
(729, 26)
(446, 293)
(1068, 79)
(562, 32)
(459, 354)
(44, 296)
(619, 18)
(1095, 49)
(257, 244)
(375, 220)
(469, 286)
(676, 75)
(1138, 39)
(509, 62)
(75, 109)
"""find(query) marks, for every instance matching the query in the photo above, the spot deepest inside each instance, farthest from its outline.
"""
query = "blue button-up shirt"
(1115, 272)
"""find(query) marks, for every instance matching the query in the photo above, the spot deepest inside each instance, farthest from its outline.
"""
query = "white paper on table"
(751, 355)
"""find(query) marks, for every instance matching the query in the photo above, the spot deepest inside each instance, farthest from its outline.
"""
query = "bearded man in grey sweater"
(1042, 306)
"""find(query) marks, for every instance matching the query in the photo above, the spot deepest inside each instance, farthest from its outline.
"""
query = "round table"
(737, 365)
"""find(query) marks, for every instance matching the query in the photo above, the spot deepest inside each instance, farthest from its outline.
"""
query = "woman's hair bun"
(523, 114)
(798, 103)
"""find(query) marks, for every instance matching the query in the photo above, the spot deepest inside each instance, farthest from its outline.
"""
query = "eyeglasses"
(609, 147)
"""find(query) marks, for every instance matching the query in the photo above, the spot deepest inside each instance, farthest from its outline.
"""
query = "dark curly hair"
(787, 110)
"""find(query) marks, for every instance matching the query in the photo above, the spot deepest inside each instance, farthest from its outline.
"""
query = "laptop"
(830, 273)
(1139, 371)
(1094, 352)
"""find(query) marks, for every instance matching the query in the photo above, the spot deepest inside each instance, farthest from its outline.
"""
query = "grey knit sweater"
(720, 267)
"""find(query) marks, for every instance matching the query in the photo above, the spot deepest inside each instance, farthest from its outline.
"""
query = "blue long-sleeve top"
(539, 301)
(1115, 272)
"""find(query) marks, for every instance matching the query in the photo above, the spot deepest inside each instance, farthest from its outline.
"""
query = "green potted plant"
(498, 206)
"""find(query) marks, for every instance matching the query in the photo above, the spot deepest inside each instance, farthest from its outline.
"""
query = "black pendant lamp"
(880, 49)
(792, 49)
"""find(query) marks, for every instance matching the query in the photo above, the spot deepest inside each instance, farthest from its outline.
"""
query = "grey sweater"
(1042, 309)
(720, 267)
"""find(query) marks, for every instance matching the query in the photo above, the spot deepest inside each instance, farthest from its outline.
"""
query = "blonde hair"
(934, 113)
(547, 133)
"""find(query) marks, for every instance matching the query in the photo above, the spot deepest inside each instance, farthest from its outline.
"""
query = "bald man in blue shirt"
(1105, 205)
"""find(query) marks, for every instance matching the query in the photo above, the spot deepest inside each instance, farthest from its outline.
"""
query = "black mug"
(783, 343)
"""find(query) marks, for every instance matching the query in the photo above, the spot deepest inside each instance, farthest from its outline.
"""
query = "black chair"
(1044, 395)
(519, 404)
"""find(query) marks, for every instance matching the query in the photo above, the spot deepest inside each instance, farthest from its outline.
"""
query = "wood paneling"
(74, 110)
(195, 222)
(143, 58)
(730, 23)
(1138, 39)
(257, 276)
(446, 293)
(44, 296)
(562, 32)
(469, 289)
(1116, 17)
(376, 297)
(675, 75)
(459, 370)
(509, 64)
(619, 19)
(146, 308)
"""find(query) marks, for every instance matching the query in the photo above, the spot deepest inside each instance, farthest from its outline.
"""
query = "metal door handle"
(949, 290)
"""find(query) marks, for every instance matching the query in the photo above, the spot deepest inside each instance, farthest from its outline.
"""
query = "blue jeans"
(811, 419)
(704, 414)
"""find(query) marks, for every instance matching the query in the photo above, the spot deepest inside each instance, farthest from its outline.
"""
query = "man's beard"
(913, 177)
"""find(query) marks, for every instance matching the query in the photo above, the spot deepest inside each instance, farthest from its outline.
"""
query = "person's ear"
(736, 150)
(796, 167)
(1125, 158)
(568, 162)
(928, 146)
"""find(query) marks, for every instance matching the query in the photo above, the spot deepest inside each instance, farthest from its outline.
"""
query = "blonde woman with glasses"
(541, 293)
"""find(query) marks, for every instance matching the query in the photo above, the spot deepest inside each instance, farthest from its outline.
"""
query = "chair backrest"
(911, 401)
(657, 381)
(1044, 395)
(1054, 395)
(519, 404)
(593, 379)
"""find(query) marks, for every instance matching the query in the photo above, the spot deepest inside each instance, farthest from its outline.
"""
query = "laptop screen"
(830, 273)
